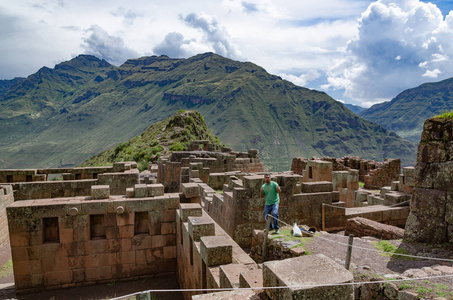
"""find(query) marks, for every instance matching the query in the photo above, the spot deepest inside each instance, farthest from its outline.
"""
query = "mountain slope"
(354, 108)
(160, 139)
(406, 113)
(85, 106)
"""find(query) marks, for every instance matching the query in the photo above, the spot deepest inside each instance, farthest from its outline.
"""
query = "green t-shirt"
(270, 193)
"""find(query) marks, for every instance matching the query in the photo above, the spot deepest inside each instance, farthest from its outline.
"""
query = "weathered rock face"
(431, 216)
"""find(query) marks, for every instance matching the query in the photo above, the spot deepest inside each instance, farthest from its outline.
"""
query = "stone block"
(216, 250)
(141, 191)
(317, 187)
(433, 152)
(130, 193)
(201, 226)
(251, 279)
(425, 229)
(394, 185)
(429, 202)
(449, 208)
(155, 190)
(100, 191)
(298, 271)
(190, 190)
(189, 210)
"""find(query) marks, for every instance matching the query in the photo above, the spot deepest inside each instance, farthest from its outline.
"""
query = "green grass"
(285, 233)
(391, 250)
(445, 115)
(361, 184)
(7, 269)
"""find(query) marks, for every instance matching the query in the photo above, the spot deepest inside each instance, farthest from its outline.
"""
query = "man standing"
(271, 193)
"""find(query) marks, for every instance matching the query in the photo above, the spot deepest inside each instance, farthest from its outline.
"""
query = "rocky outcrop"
(431, 216)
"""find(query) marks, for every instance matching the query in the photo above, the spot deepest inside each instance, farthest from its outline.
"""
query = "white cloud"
(215, 34)
(111, 48)
(370, 50)
(398, 45)
(172, 46)
(303, 79)
(432, 74)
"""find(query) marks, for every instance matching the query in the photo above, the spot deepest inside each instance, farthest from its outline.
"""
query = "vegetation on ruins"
(7, 269)
(445, 115)
(391, 249)
(406, 113)
(85, 106)
(172, 134)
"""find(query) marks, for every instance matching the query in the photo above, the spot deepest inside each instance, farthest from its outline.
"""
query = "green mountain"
(406, 113)
(5, 85)
(65, 115)
(160, 139)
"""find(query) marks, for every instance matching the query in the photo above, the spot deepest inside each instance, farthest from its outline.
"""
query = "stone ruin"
(374, 174)
(431, 216)
(193, 217)
(175, 170)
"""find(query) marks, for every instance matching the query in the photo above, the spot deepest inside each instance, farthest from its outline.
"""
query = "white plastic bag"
(296, 230)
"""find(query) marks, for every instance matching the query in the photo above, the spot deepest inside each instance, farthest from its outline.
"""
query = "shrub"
(176, 146)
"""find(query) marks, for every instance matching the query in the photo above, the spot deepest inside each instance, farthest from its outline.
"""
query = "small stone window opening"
(310, 172)
(28, 178)
(78, 176)
(9, 178)
(97, 227)
(50, 230)
(141, 225)
(95, 175)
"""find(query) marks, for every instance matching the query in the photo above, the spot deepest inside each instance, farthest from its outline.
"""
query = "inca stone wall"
(431, 216)
(384, 175)
(169, 173)
(374, 174)
(6, 198)
(68, 242)
(125, 176)
(207, 256)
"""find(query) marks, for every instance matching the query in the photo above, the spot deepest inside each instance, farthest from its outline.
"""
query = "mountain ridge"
(406, 113)
(85, 106)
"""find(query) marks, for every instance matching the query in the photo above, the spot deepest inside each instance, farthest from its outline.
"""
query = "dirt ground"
(376, 265)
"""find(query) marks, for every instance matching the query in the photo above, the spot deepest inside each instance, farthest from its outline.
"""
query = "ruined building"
(203, 208)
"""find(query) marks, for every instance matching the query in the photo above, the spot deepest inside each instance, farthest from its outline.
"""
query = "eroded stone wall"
(374, 174)
(431, 216)
(170, 170)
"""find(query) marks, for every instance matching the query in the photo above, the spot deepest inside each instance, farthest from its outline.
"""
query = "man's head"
(267, 178)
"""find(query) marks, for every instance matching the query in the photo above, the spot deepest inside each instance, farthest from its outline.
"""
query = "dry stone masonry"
(431, 216)
(191, 214)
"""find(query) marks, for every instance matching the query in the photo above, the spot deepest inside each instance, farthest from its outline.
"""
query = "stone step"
(395, 197)
(229, 275)
(251, 279)
(317, 187)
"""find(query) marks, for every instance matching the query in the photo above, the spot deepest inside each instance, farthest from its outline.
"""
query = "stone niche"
(431, 216)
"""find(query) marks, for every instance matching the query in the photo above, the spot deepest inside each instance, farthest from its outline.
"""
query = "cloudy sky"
(358, 51)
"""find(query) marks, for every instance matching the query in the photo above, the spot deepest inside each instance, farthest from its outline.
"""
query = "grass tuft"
(445, 115)
(391, 250)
